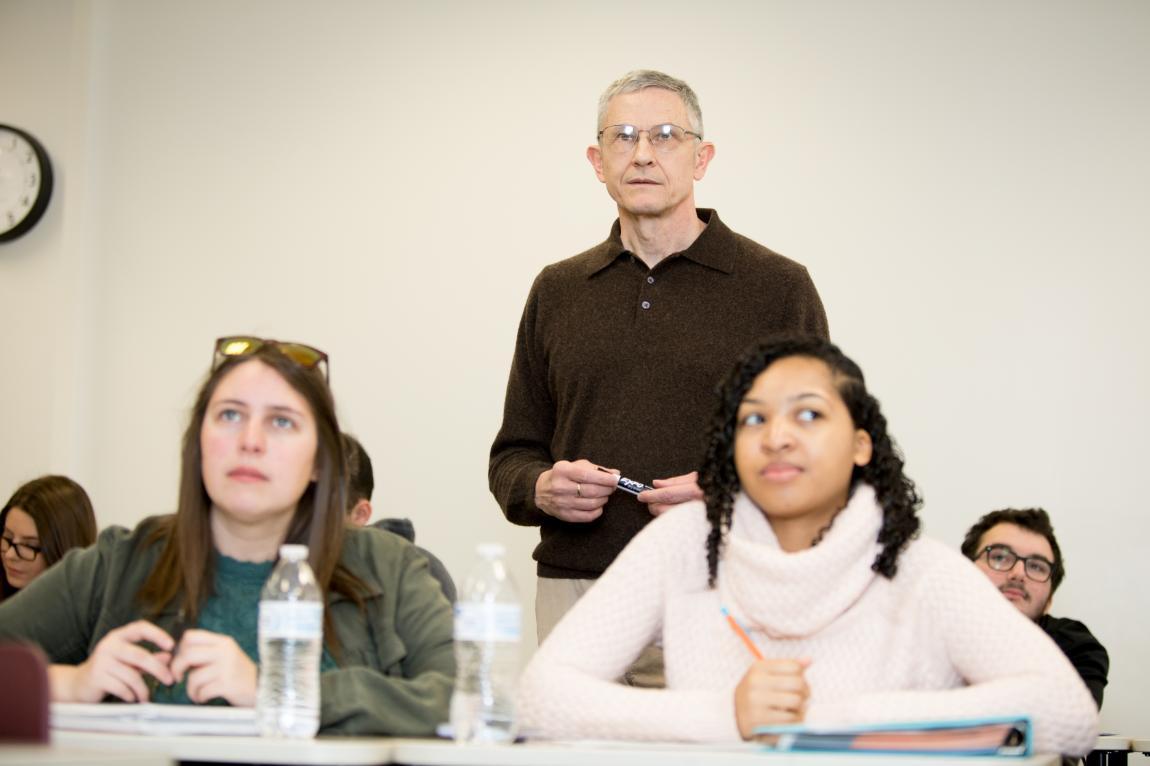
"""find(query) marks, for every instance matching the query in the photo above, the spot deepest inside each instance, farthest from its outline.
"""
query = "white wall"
(965, 181)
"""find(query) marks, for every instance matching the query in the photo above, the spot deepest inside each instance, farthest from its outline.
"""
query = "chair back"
(24, 703)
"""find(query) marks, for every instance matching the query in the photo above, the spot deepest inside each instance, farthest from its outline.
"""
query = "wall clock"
(25, 182)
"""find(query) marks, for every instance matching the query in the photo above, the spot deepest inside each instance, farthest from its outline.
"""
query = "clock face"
(25, 182)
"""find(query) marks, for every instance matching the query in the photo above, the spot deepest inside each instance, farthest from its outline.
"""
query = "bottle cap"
(491, 550)
(293, 552)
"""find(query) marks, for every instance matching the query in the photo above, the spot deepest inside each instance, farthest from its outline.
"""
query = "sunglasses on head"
(302, 354)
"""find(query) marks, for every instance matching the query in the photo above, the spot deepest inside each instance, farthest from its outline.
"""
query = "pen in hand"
(735, 626)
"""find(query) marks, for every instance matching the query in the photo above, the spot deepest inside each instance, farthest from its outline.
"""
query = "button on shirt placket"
(646, 294)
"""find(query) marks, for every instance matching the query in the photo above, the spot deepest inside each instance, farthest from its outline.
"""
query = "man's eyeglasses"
(1002, 559)
(622, 139)
(24, 551)
(305, 356)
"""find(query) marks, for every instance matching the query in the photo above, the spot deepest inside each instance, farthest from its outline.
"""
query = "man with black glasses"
(1019, 553)
(620, 348)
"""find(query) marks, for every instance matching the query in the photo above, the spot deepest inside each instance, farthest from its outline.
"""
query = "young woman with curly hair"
(808, 538)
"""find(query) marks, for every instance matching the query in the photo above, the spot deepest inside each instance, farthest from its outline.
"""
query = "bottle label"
(480, 621)
(291, 620)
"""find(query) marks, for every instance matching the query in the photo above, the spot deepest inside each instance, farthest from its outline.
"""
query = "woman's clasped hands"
(213, 665)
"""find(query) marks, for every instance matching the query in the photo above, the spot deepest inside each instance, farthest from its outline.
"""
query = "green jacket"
(396, 661)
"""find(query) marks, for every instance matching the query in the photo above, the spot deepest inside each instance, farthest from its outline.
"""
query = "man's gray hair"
(641, 79)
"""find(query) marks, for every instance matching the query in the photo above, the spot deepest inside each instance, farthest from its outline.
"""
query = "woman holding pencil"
(799, 590)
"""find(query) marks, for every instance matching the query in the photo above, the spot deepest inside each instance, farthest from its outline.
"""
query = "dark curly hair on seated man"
(895, 492)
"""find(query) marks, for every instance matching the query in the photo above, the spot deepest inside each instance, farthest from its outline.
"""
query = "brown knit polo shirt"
(617, 363)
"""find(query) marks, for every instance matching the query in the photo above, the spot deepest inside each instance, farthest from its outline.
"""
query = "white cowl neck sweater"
(936, 641)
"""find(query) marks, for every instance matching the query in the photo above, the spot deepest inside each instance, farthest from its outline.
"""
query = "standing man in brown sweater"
(619, 348)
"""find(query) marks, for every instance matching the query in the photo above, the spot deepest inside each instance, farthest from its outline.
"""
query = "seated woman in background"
(262, 464)
(807, 536)
(43, 520)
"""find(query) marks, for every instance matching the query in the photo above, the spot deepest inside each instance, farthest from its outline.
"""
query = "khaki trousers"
(555, 596)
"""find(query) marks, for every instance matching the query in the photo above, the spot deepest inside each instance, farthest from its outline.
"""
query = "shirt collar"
(711, 248)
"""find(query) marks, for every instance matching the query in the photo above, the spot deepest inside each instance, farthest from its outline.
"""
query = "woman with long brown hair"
(168, 612)
(43, 520)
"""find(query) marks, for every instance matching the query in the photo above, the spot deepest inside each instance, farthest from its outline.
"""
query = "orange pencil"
(735, 626)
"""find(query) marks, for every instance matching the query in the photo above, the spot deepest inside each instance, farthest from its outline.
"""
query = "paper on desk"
(151, 718)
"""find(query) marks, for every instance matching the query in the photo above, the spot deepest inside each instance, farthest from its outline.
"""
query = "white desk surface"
(376, 751)
(324, 751)
(62, 755)
(440, 753)
(1112, 742)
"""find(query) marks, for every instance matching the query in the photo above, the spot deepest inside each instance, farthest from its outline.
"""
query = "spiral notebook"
(151, 718)
(976, 736)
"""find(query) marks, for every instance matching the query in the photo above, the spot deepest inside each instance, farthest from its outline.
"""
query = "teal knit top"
(232, 610)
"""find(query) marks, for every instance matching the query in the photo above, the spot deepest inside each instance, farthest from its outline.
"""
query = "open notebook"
(979, 736)
(150, 718)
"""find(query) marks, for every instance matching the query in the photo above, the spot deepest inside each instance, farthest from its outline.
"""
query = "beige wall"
(965, 181)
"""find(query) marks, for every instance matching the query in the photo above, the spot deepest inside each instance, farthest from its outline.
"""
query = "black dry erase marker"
(628, 485)
(632, 486)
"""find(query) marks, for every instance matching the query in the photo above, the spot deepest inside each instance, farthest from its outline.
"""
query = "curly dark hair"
(719, 481)
(1034, 519)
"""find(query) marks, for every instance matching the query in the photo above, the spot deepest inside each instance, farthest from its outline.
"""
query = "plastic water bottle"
(488, 631)
(291, 643)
